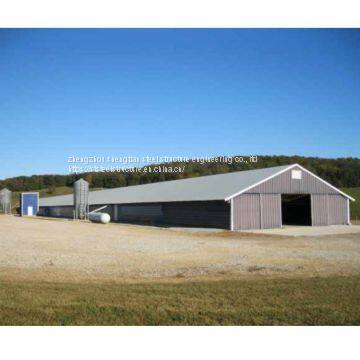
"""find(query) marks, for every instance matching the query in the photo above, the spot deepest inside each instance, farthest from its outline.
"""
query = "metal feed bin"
(81, 199)
(5, 201)
(29, 203)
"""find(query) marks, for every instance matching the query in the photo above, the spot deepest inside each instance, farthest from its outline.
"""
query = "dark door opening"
(296, 209)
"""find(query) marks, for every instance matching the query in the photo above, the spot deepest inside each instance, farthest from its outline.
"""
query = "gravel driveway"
(61, 250)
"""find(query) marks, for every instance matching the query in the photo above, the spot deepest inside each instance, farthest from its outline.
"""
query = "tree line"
(341, 172)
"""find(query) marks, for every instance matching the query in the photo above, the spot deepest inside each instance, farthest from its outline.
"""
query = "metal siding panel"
(200, 214)
(57, 211)
(271, 211)
(284, 184)
(319, 209)
(151, 210)
(115, 209)
(148, 213)
(193, 213)
(337, 210)
(247, 212)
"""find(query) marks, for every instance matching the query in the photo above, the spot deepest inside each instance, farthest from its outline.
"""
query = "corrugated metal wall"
(246, 212)
(146, 213)
(57, 211)
(190, 213)
(197, 213)
(270, 211)
(284, 184)
(328, 210)
(256, 211)
(319, 209)
(337, 210)
(68, 211)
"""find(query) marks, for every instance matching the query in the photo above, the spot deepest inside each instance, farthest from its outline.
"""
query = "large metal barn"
(254, 199)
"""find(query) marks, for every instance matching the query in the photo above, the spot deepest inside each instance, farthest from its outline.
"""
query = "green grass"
(354, 205)
(257, 301)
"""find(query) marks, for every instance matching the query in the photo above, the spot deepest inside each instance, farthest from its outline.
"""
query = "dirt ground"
(309, 230)
(62, 250)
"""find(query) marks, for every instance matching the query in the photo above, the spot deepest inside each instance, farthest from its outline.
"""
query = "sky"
(175, 92)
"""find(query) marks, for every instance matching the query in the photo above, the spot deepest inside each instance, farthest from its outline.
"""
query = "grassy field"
(257, 301)
(354, 205)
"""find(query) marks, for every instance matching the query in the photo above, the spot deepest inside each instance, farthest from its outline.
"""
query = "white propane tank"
(103, 218)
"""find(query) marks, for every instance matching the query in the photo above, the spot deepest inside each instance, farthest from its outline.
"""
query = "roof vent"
(296, 174)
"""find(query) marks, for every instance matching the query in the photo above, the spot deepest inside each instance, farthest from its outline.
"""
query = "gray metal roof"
(211, 187)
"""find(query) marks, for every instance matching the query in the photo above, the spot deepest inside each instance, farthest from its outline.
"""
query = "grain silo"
(5, 201)
(81, 199)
